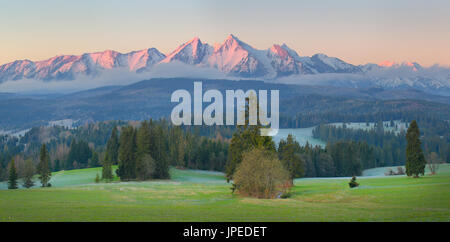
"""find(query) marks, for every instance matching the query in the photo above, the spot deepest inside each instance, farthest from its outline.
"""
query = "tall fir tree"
(112, 147)
(177, 146)
(289, 154)
(28, 174)
(158, 146)
(127, 154)
(93, 162)
(143, 139)
(44, 166)
(12, 180)
(415, 160)
(160, 152)
(111, 156)
(107, 173)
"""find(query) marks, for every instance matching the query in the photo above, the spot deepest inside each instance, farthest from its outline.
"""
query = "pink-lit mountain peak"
(392, 64)
(279, 51)
(231, 37)
(230, 52)
(191, 52)
(143, 58)
(232, 43)
(106, 59)
(388, 63)
(193, 43)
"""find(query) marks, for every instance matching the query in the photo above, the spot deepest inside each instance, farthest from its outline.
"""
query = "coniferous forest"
(145, 150)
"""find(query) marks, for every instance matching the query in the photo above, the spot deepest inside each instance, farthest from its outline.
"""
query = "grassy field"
(205, 196)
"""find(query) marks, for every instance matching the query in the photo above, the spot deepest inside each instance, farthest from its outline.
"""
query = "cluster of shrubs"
(261, 175)
(400, 171)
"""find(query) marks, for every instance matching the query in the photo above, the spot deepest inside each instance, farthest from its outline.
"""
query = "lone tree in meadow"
(261, 174)
(12, 180)
(415, 160)
(44, 167)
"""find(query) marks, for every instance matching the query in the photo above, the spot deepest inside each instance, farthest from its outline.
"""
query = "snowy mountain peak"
(326, 64)
(235, 57)
(191, 52)
(284, 60)
(291, 52)
(106, 59)
(387, 63)
(140, 60)
(392, 64)
(279, 51)
(231, 42)
(232, 37)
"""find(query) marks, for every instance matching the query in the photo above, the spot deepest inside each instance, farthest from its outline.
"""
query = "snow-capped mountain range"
(234, 58)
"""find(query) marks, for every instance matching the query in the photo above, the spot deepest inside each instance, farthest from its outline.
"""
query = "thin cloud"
(121, 76)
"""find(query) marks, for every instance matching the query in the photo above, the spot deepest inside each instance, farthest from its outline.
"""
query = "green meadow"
(193, 195)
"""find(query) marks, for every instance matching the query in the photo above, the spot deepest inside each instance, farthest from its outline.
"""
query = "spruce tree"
(145, 164)
(177, 146)
(112, 147)
(107, 173)
(43, 167)
(289, 154)
(127, 154)
(12, 180)
(28, 174)
(94, 160)
(111, 156)
(143, 139)
(160, 152)
(415, 160)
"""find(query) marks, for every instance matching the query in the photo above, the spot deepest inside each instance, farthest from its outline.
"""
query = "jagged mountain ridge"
(65, 67)
(234, 58)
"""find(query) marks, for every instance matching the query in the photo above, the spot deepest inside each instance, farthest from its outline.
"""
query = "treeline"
(350, 151)
(69, 148)
(147, 151)
(342, 158)
(388, 147)
(85, 146)
(337, 159)
(431, 121)
(9, 147)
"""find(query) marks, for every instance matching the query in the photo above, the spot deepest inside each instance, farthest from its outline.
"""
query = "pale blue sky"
(355, 30)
